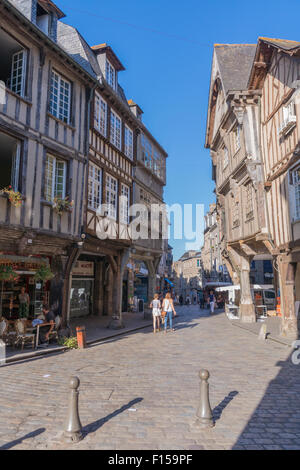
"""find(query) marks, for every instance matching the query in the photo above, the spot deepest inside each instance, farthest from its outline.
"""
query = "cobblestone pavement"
(140, 391)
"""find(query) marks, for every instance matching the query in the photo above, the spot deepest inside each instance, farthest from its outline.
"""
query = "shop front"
(82, 288)
(23, 277)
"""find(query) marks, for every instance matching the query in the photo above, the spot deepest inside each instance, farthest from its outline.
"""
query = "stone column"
(287, 272)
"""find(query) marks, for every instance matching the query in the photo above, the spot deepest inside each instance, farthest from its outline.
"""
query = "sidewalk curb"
(45, 352)
(269, 336)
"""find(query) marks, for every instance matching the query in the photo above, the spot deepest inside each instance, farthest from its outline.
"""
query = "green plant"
(14, 197)
(62, 204)
(7, 273)
(44, 273)
(70, 343)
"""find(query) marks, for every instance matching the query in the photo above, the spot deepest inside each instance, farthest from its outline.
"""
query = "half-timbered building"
(276, 72)
(43, 155)
(233, 137)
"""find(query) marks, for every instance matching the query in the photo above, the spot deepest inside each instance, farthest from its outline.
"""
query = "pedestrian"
(156, 312)
(180, 299)
(212, 301)
(201, 299)
(24, 302)
(168, 308)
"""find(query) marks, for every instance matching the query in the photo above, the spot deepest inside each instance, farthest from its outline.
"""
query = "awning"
(171, 283)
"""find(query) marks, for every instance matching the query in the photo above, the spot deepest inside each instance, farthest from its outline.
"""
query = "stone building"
(214, 269)
(233, 137)
(187, 274)
(275, 74)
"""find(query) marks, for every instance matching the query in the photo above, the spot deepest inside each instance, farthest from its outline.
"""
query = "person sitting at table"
(49, 324)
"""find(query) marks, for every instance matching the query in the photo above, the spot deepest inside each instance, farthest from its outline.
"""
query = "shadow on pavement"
(93, 427)
(218, 410)
(275, 423)
(30, 435)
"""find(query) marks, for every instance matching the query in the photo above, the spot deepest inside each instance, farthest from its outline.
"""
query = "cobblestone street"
(140, 391)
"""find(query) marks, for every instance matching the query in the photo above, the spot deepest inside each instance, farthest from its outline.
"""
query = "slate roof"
(75, 45)
(235, 62)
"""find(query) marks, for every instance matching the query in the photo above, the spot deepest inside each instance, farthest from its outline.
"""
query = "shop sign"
(22, 263)
(83, 268)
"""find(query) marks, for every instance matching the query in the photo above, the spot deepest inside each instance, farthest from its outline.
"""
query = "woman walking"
(168, 307)
(156, 312)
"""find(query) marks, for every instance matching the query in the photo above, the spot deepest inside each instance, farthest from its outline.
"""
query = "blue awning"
(171, 283)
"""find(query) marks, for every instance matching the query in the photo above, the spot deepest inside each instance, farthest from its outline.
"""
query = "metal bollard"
(204, 414)
(73, 426)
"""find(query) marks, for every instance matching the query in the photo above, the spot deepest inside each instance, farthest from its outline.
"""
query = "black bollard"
(73, 426)
(204, 414)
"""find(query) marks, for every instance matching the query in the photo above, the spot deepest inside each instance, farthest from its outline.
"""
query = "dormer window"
(43, 19)
(110, 75)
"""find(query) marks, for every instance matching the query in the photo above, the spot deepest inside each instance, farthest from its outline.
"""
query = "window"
(225, 158)
(111, 196)
(124, 206)
(13, 64)
(115, 130)
(128, 142)
(296, 184)
(110, 75)
(249, 201)
(237, 138)
(10, 161)
(94, 187)
(100, 115)
(60, 97)
(55, 178)
(146, 152)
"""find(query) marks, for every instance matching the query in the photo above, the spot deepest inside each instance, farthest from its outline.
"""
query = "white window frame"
(100, 115)
(110, 74)
(59, 107)
(111, 196)
(18, 72)
(124, 204)
(51, 182)
(15, 168)
(115, 133)
(128, 142)
(94, 187)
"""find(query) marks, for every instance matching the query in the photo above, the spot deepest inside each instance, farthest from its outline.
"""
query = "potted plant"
(44, 273)
(14, 197)
(62, 204)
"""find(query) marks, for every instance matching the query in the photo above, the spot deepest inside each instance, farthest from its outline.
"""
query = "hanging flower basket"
(14, 197)
(44, 273)
(7, 273)
(62, 204)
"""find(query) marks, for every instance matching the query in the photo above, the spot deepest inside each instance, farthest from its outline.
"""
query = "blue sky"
(166, 47)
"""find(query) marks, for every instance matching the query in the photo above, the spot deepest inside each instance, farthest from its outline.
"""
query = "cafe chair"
(21, 335)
